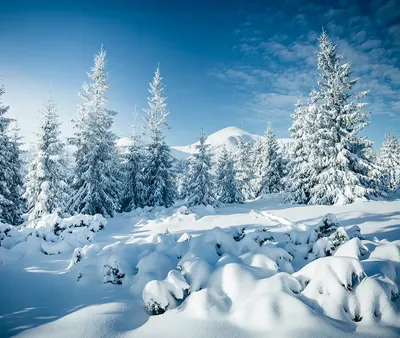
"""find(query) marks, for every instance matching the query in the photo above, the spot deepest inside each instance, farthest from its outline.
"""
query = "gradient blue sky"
(224, 62)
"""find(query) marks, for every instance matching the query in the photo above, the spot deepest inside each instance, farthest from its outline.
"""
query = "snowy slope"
(42, 298)
(227, 137)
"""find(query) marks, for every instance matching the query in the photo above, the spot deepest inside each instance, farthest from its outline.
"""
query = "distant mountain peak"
(227, 137)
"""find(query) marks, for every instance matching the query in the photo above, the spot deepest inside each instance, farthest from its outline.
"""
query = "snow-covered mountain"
(228, 137)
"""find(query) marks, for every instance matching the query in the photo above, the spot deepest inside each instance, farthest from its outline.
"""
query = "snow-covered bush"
(340, 286)
(112, 272)
(77, 256)
(158, 296)
(9, 236)
(244, 272)
(56, 224)
(52, 234)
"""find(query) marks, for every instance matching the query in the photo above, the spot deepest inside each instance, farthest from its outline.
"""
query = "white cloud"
(282, 67)
(370, 44)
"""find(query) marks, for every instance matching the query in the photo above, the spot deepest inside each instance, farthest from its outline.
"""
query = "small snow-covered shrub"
(10, 236)
(56, 224)
(77, 256)
(326, 246)
(327, 225)
(58, 235)
(158, 296)
(112, 272)
(4, 230)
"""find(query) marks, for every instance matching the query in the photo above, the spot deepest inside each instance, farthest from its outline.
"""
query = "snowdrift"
(255, 277)
(51, 235)
(247, 277)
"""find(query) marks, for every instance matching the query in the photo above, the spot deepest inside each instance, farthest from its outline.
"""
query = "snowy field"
(272, 277)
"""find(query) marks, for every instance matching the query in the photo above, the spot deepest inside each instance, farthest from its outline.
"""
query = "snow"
(244, 270)
(52, 235)
(228, 137)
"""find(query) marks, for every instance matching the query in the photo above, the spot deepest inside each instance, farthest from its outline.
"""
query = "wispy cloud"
(279, 61)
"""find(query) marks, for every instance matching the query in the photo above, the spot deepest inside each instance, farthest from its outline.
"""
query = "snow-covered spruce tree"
(132, 169)
(338, 165)
(344, 169)
(46, 187)
(272, 166)
(256, 158)
(181, 175)
(158, 175)
(389, 162)
(244, 168)
(298, 181)
(227, 188)
(11, 182)
(96, 176)
(200, 184)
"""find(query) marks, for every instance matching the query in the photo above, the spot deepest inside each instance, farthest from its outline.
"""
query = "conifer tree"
(96, 181)
(298, 181)
(11, 204)
(132, 168)
(226, 185)
(389, 162)
(46, 187)
(158, 175)
(272, 167)
(244, 168)
(200, 184)
(256, 158)
(181, 177)
(333, 164)
(340, 156)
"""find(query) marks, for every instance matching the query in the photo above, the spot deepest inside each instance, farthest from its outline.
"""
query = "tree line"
(327, 163)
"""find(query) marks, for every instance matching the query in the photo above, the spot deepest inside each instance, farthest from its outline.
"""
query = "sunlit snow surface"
(253, 270)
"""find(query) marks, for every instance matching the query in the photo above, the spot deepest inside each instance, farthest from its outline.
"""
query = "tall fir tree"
(158, 174)
(132, 169)
(298, 181)
(389, 162)
(244, 168)
(11, 182)
(272, 172)
(96, 182)
(227, 188)
(200, 181)
(338, 165)
(256, 157)
(46, 185)
(340, 156)
(181, 177)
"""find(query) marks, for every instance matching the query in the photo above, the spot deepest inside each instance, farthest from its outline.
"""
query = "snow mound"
(51, 235)
(242, 273)
(159, 296)
(340, 288)
(232, 273)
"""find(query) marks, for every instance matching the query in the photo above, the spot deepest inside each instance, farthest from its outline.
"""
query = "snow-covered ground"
(269, 279)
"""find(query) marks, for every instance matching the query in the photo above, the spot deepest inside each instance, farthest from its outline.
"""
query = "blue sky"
(224, 62)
